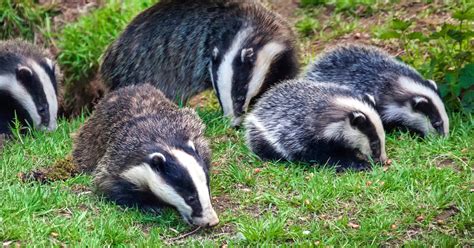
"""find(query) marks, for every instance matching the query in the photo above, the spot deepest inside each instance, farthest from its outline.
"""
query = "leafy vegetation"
(83, 42)
(449, 51)
(26, 19)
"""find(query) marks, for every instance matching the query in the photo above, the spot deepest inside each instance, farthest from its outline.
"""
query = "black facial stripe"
(181, 181)
(9, 108)
(371, 133)
(36, 91)
(214, 68)
(240, 82)
(50, 74)
(431, 112)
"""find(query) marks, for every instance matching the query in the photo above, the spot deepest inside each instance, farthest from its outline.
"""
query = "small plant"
(307, 26)
(367, 6)
(82, 44)
(446, 55)
(26, 19)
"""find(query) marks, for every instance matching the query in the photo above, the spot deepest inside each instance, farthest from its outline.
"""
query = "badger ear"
(50, 63)
(157, 160)
(215, 53)
(357, 119)
(419, 103)
(370, 98)
(23, 74)
(433, 83)
(247, 55)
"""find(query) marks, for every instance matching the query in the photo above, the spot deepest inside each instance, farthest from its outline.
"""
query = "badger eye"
(192, 199)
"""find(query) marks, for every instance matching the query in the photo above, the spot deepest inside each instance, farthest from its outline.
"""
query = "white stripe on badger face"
(10, 84)
(409, 85)
(209, 216)
(225, 72)
(265, 58)
(144, 176)
(252, 120)
(353, 136)
(49, 92)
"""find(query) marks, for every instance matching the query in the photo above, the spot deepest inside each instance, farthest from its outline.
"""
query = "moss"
(62, 169)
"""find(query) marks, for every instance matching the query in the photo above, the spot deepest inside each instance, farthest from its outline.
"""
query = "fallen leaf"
(393, 226)
(246, 190)
(382, 183)
(464, 150)
(368, 183)
(353, 225)
(257, 170)
(54, 234)
(317, 242)
(306, 232)
(420, 218)
(307, 202)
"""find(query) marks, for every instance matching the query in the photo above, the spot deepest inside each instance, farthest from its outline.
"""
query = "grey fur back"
(366, 69)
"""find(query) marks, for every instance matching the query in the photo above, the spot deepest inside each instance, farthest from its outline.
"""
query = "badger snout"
(209, 219)
(236, 121)
(53, 124)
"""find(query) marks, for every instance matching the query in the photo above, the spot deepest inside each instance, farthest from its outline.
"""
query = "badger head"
(418, 107)
(245, 67)
(359, 127)
(176, 176)
(34, 87)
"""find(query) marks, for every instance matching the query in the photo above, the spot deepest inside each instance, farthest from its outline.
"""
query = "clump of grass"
(83, 42)
(307, 26)
(25, 19)
(344, 5)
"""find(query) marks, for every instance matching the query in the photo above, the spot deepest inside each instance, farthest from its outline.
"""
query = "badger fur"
(404, 98)
(143, 151)
(302, 120)
(28, 86)
(238, 47)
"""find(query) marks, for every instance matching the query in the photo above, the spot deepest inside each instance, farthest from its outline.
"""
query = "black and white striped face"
(419, 108)
(177, 176)
(361, 129)
(34, 86)
(245, 69)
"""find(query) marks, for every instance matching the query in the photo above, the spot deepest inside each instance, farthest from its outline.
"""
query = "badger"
(308, 121)
(144, 152)
(404, 98)
(238, 47)
(28, 86)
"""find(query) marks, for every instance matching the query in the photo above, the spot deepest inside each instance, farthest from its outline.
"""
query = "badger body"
(28, 86)
(404, 98)
(143, 151)
(184, 47)
(302, 120)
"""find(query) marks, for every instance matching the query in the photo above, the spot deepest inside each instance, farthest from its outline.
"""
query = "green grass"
(26, 19)
(423, 199)
(279, 203)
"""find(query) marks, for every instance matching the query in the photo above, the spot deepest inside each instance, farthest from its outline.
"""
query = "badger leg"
(344, 164)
